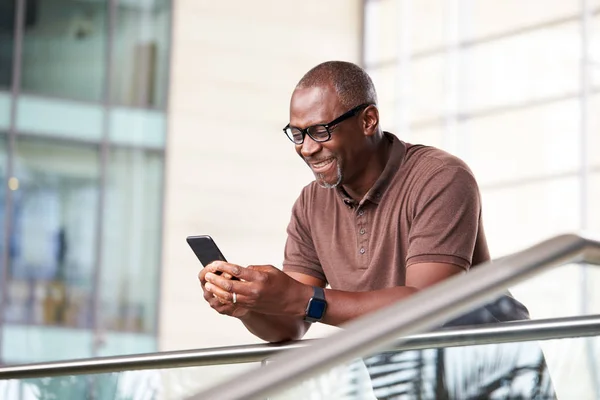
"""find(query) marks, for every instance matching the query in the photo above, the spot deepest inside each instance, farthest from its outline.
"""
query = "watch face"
(316, 308)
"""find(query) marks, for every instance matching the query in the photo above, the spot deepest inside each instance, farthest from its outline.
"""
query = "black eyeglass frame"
(328, 126)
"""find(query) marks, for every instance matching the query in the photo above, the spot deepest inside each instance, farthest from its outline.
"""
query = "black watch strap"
(315, 310)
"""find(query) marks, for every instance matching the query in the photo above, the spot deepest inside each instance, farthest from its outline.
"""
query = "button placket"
(362, 238)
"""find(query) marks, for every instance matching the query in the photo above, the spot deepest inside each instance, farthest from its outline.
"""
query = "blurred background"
(127, 125)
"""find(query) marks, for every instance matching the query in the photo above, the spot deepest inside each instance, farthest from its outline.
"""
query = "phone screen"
(205, 249)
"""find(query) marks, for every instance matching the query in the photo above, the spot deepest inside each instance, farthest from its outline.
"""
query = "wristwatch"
(315, 310)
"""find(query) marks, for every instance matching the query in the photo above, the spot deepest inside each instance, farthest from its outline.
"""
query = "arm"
(276, 302)
(279, 328)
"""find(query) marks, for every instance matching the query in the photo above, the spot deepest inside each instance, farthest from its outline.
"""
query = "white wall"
(230, 171)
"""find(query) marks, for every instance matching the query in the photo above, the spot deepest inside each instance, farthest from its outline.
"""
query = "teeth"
(322, 163)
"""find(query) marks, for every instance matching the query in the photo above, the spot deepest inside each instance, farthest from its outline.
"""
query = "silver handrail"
(520, 331)
(417, 313)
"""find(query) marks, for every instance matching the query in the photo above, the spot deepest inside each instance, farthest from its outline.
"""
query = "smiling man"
(382, 220)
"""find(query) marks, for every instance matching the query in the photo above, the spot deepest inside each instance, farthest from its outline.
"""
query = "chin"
(329, 184)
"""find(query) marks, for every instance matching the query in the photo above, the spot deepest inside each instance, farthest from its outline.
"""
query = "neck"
(376, 162)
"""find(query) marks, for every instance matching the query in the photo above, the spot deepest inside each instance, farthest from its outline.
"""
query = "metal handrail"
(519, 331)
(417, 313)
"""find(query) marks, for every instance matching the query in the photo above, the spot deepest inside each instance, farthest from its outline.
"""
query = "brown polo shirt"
(425, 207)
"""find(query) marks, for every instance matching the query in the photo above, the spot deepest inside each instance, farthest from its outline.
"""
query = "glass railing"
(518, 370)
(377, 356)
(409, 366)
(420, 312)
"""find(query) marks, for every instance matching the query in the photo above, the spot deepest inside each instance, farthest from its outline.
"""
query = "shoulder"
(428, 160)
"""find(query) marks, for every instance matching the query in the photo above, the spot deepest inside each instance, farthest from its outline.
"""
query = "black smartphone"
(205, 248)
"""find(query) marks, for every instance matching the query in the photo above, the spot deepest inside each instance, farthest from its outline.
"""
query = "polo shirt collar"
(374, 195)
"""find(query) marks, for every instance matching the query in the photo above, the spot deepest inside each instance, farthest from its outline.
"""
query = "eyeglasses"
(320, 132)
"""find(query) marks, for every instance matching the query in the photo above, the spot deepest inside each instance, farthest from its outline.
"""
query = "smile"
(322, 166)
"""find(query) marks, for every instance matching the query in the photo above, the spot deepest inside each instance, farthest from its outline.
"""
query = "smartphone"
(205, 248)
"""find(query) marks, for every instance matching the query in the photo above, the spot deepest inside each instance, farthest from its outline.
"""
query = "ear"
(370, 120)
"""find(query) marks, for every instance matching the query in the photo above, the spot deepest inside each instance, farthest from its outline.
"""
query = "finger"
(221, 293)
(251, 273)
(226, 275)
(225, 309)
(219, 265)
(201, 275)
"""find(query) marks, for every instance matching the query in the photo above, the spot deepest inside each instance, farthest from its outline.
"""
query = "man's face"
(328, 160)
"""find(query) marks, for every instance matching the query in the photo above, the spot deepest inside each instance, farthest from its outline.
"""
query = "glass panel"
(381, 31)
(594, 48)
(63, 118)
(3, 186)
(490, 17)
(385, 80)
(7, 27)
(119, 343)
(429, 24)
(593, 221)
(523, 370)
(524, 214)
(175, 383)
(26, 343)
(53, 242)
(141, 53)
(4, 110)
(522, 68)
(430, 136)
(138, 127)
(594, 130)
(525, 143)
(427, 79)
(64, 48)
(132, 241)
(558, 293)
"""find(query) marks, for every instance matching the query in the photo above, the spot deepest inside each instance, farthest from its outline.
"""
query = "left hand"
(261, 288)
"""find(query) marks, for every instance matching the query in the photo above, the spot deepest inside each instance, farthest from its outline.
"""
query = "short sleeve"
(300, 254)
(446, 217)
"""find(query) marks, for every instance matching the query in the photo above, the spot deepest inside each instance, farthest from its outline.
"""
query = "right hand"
(221, 306)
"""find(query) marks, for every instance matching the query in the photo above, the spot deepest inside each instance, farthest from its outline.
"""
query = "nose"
(309, 147)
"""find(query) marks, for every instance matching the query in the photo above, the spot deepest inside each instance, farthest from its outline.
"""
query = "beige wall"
(230, 171)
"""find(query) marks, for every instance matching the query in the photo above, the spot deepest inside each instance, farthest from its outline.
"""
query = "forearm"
(275, 328)
(345, 306)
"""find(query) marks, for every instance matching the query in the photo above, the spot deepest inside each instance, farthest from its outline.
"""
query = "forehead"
(313, 105)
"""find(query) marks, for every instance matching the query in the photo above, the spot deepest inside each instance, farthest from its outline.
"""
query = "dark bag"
(503, 309)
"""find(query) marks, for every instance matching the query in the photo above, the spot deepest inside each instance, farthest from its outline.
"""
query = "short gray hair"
(352, 83)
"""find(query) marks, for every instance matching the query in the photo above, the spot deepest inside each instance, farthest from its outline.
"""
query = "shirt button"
(362, 250)
(361, 212)
(362, 231)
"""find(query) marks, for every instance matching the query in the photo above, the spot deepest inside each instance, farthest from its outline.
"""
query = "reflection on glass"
(493, 371)
(131, 253)
(64, 48)
(172, 383)
(141, 53)
(127, 385)
(3, 166)
(7, 26)
(499, 371)
(52, 244)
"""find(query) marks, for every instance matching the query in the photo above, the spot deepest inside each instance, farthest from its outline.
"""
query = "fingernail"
(208, 287)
